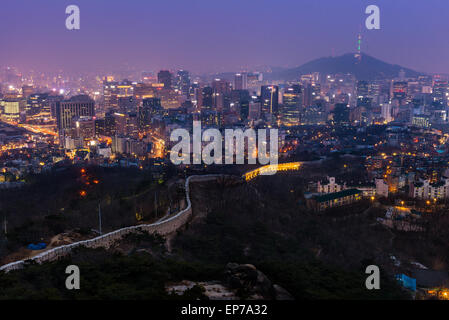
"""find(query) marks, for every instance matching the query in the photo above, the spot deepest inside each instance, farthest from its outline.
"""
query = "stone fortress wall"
(163, 227)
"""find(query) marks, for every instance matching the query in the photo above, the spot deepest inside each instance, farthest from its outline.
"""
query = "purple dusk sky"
(214, 35)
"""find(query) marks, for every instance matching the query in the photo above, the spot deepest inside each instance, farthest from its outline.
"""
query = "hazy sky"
(217, 35)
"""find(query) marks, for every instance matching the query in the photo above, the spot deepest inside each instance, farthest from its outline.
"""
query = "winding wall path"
(163, 227)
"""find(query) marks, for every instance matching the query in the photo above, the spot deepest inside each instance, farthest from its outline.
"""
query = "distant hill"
(368, 68)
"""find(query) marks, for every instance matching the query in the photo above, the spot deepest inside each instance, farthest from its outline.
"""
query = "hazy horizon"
(207, 37)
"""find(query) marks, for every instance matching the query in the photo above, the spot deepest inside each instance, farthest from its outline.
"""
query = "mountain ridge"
(369, 68)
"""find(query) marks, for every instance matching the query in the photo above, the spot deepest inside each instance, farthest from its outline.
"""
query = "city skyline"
(234, 150)
(244, 36)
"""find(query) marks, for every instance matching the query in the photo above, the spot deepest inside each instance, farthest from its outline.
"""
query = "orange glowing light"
(83, 193)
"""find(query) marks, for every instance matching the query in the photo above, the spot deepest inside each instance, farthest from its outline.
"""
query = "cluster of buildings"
(396, 126)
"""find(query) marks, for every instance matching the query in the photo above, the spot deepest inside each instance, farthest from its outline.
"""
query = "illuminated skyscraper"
(440, 94)
(183, 82)
(205, 98)
(292, 105)
(269, 97)
(222, 89)
(75, 107)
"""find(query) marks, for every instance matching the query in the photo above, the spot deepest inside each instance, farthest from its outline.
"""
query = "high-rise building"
(240, 101)
(109, 125)
(341, 113)
(400, 91)
(386, 112)
(254, 111)
(241, 81)
(38, 103)
(165, 77)
(221, 90)
(307, 96)
(292, 105)
(362, 89)
(150, 107)
(269, 97)
(440, 94)
(75, 107)
(183, 82)
(205, 98)
(82, 128)
(110, 93)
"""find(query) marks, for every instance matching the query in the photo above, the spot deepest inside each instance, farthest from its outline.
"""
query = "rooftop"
(337, 195)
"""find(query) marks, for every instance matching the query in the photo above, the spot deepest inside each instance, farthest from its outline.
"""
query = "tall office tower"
(316, 91)
(292, 105)
(386, 112)
(341, 113)
(440, 95)
(120, 123)
(241, 81)
(150, 107)
(363, 94)
(110, 93)
(400, 91)
(132, 125)
(51, 105)
(254, 110)
(194, 91)
(83, 128)
(375, 88)
(75, 107)
(239, 101)
(110, 128)
(183, 82)
(205, 99)
(27, 91)
(269, 97)
(362, 89)
(307, 96)
(222, 89)
(165, 77)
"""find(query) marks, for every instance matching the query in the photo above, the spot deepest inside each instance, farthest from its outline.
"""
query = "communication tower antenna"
(358, 55)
